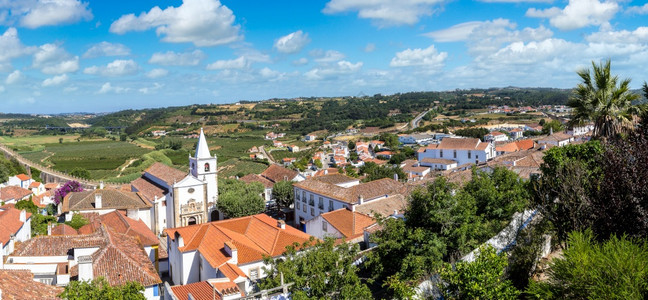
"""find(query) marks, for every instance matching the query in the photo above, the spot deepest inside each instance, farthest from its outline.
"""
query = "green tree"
(323, 271)
(39, 224)
(390, 139)
(77, 221)
(283, 193)
(352, 145)
(602, 99)
(480, 279)
(498, 194)
(552, 126)
(80, 172)
(99, 288)
(318, 164)
(123, 137)
(375, 172)
(27, 205)
(614, 269)
(60, 140)
(239, 199)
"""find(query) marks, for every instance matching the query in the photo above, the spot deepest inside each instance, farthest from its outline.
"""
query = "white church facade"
(181, 199)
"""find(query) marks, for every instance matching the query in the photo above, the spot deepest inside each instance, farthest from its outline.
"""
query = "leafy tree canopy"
(238, 199)
(100, 289)
(283, 193)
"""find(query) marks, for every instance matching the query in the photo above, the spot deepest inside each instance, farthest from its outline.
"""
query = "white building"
(103, 201)
(317, 195)
(463, 151)
(20, 180)
(557, 139)
(516, 133)
(15, 226)
(495, 136)
(232, 249)
(421, 139)
(340, 224)
(580, 130)
(438, 163)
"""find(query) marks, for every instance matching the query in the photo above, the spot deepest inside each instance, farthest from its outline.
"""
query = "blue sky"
(97, 56)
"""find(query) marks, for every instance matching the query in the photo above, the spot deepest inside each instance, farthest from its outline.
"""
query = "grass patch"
(35, 156)
(95, 155)
(234, 167)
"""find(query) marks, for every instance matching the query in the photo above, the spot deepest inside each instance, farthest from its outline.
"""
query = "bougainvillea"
(70, 186)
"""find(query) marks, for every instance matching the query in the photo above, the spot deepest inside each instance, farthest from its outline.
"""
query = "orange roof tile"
(128, 226)
(16, 193)
(342, 220)
(201, 290)
(525, 144)
(254, 236)
(458, 143)
(10, 223)
(64, 229)
(147, 188)
(276, 173)
(34, 184)
(368, 190)
(167, 174)
(509, 147)
(20, 284)
(23, 177)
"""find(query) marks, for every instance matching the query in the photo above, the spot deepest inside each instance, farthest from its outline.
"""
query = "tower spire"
(202, 150)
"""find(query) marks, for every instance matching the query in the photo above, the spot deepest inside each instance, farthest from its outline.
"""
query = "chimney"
(132, 213)
(360, 200)
(49, 228)
(85, 268)
(396, 176)
(98, 203)
(395, 212)
(101, 185)
(23, 216)
(550, 131)
(281, 224)
(232, 251)
(325, 171)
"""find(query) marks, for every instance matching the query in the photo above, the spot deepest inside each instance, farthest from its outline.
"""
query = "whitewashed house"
(495, 136)
(461, 150)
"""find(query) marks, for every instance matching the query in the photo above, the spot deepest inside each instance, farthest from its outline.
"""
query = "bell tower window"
(206, 167)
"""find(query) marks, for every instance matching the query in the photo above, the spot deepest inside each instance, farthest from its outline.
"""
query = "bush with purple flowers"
(68, 187)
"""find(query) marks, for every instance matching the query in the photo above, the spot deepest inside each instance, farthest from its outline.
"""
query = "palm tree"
(600, 100)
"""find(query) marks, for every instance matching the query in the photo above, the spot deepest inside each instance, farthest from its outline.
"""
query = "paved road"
(417, 120)
(262, 149)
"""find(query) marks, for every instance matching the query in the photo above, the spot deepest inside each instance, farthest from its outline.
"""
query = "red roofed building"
(495, 136)
(15, 226)
(340, 224)
(20, 180)
(13, 194)
(461, 150)
(213, 289)
(232, 249)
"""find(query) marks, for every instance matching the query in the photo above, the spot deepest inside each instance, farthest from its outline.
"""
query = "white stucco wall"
(314, 228)
(317, 211)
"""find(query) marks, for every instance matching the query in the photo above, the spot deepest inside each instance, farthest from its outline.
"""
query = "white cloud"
(328, 56)
(238, 63)
(386, 12)
(201, 22)
(270, 74)
(641, 10)
(11, 47)
(39, 13)
(15, 77)
(515, 1)
(300, 62)
(108, 88)
(56, 80)
(292, 43)
(333, 71)
(639, 35)
(371, 47)
(489, 36)
(52, 59)
(533, 53)
(147, 90)
(106, 49)
(118, 67)
(157, 73)
(428, 57)
(171, 58)
(577, 14)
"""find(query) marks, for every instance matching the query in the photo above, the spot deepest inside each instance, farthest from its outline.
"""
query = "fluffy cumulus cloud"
(10, 48)
(14, 77)
(577, 14)
(386, 12)
(331, 71)
(52, 59)
(56, 80)
(109, 88)
(292, 43)
(157, 73)
(106, 49)
(639, 35)
(39, 13)
(171, 58)
(641, 10)
(237, 63)
(428, 57)
(201, 22)
(119, 67)
(489, 36)
(148, 90)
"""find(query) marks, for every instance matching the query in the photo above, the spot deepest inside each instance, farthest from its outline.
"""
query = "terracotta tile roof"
(59, 245)
(167, 174)
(20, 284)
(336, 178)
(326, 172)
(51, 185)
(111, 199)
(438, 161)
(254, 236)
(147, 188)
(276, 173)
(460, 144)
(8, 193)
(342, 220)
(23, 177)
(367, 190)
(231, 271)
(8, 206)
(384, 206)
(125, 225)
(64, 229)
(558, 137)
(508, 147)
(517, 130)
(34, 184)
(204, 290)
(10, 223)
(525, 144)
(249, 178)
(123, 260)
(38, 199)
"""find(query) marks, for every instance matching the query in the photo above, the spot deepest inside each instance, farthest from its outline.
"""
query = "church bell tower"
(203, 167)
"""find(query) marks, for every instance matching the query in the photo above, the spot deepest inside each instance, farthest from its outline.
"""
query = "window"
(191, 190)
(304, 208)
(312, 211)
(321, 203)
(297, 203)
(330, 205)
(156, 290)
(206, 167)
(254, 274)
(304, 196)
(312, 200)
(469, 154)
(297, 196)
(454, 152)
(441, 153)
(324, 225)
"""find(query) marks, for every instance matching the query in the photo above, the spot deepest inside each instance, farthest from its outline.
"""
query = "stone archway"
(191, 221)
